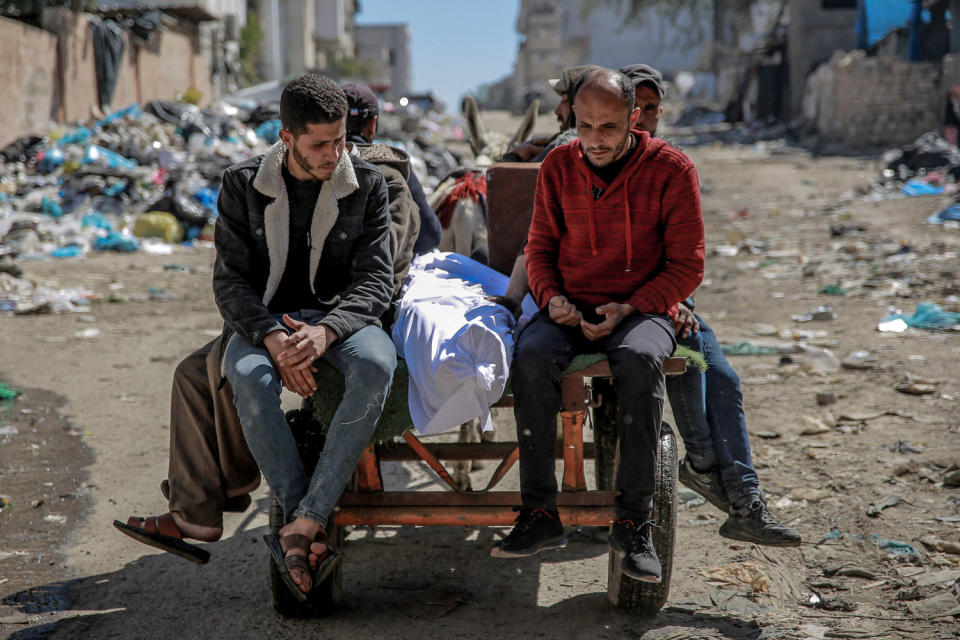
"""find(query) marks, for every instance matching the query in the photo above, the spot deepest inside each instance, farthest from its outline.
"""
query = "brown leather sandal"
(162, 532)
(279, 547)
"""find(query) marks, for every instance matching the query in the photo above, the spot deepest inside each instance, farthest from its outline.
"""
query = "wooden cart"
(586, 390)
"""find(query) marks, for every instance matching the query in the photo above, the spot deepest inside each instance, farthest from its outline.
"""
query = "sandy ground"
(101, 452)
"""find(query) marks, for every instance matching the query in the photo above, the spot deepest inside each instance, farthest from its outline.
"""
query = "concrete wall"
(854, 101)
(48, 75)
(814, 35)
(28, 78)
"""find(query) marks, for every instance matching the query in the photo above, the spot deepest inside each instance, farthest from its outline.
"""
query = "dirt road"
(74, 576)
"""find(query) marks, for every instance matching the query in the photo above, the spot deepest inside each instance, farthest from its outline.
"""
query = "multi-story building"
(299, 35)
(385, 48)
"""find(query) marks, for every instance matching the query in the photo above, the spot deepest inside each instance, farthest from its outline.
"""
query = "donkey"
(460, 202)
(460, 199)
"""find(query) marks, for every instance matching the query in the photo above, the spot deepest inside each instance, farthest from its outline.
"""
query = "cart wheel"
(324, 598)
(646, 598)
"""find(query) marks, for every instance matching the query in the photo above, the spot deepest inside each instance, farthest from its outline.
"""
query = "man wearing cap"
(565, 87)
(362, 120)
(708, 407)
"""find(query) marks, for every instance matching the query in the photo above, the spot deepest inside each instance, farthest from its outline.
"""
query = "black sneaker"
(753, 523)
(706, 483)
(534, 530)
(635, 542)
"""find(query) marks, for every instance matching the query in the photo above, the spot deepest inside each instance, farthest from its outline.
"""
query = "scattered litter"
(5, 502)
(690, 497)
(819, 359)
(53, 517)
(917, 187)
(826, 397)
(935, 544)
(833, 290)
(830, 604)
(87, 334)
(767, 435)
(893, 326)
(947, 576)
(927, 316)
(809, 494)
(821, 313)
(737, 574)
(916, 388)
(750, 349)
(9, 430)
(952, 478)
(888, 501)
(814, 427)
(859, 360)
(849, 570)
(7, 392)
(902, 446)
(944, 604)
(895, 547)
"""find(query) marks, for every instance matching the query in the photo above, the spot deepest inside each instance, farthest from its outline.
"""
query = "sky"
(456, 44)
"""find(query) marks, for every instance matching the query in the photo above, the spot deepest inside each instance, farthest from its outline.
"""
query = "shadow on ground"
(400, 583)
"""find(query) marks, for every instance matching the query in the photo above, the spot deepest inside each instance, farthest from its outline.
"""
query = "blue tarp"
(875, 19)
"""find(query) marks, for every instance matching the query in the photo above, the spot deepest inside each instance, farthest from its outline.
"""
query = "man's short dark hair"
(608, 81)
(311, 99)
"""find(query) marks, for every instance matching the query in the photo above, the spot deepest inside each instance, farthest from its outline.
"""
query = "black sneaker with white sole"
(706, 483)
(753, 523)
(634, 540)
(534, 530)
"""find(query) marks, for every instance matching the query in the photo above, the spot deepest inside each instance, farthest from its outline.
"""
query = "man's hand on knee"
(614, 312)
(307, 343)
(299, 381)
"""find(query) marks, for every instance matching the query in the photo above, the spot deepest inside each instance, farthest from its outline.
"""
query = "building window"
(838, 4)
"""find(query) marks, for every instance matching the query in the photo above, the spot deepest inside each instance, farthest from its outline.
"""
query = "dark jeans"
(708, 409)
(636, 350)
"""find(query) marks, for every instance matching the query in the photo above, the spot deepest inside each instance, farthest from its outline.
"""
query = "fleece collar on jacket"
(269, 182)
(647, 147)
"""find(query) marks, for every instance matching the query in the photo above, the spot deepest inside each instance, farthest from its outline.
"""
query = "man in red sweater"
(616, 242)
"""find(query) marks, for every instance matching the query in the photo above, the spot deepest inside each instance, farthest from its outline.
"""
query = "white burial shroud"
(458, 345)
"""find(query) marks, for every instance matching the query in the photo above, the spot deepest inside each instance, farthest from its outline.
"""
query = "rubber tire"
(646, 598)
(324, 598)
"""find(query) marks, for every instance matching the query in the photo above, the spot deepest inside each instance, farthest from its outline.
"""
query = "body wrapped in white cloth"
(457, 343)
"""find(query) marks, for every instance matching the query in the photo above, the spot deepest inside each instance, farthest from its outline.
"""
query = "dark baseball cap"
(644, 74)
(568, 78)
(361, 101)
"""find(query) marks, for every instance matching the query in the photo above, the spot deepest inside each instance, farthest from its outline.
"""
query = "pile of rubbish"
(150, 173)
(928, 166)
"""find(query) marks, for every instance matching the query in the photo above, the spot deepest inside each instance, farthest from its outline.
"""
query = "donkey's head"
(490, 146)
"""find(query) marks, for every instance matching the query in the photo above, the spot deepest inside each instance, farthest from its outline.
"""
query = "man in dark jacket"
(362, 121)
(211, 469)
(303, 271)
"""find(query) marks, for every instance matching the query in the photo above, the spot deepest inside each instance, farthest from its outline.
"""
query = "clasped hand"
(295, 353)
(564, 312)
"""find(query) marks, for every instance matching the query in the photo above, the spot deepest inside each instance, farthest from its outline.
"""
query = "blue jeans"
(708, 409)
(367, 360)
